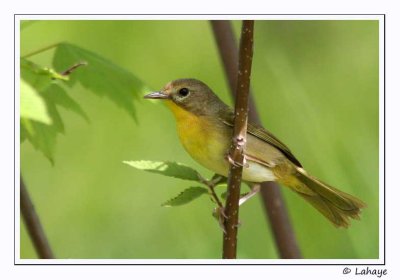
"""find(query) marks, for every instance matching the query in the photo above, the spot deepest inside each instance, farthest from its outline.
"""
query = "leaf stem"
(211, 186)
(41, 50)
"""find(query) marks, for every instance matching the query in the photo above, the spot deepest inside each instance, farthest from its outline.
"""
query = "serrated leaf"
(42, 81)
(41, 136)
(101, 76)
(58, 96)
(166, 168)
(186, 196)
(32, 105)
(38, 76)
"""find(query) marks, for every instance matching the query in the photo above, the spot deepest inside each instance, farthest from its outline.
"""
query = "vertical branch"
(33, 225)
(271, 194)
(238, 140)
(225, 38)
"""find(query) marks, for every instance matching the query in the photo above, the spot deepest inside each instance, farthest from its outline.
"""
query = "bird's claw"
(237, 164)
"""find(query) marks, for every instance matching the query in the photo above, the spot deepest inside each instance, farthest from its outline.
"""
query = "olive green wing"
(264, 135)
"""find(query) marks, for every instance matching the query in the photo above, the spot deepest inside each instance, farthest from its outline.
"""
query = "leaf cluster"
(43, 90)
(181, 171)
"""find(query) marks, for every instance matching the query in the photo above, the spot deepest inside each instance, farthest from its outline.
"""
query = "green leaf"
(56, 95)
(171, 169)
(41, 94)
(224, 195)
(39, 77)
(186, 196)
(41, 136)
(101, 76)
(32, 105)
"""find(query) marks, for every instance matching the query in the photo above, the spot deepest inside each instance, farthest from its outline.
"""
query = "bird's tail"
(334, 204)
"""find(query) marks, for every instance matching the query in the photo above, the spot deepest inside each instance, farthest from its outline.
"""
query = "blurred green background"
(316, 88)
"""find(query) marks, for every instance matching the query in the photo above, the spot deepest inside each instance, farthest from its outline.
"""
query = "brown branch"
(225, 38)
(33, 225)
(236, 155)
(271, 194)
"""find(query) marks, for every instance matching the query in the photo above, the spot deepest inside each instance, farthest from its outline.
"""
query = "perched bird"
(205, 128)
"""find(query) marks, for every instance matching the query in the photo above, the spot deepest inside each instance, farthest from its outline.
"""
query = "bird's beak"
(157, 95)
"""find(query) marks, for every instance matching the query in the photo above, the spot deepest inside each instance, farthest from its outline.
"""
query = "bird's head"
(191, 95)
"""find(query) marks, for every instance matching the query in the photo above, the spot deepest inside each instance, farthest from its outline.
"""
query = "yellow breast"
(206, 143)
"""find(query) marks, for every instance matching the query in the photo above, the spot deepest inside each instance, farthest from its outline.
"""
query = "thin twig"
(228, 50)
(236, 154)
(211, 184)
(33, 225)
(271, 194)
(40, 50)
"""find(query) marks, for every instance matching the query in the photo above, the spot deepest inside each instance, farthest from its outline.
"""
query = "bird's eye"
(183, 92)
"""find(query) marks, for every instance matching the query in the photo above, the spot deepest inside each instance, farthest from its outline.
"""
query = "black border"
(214, 264)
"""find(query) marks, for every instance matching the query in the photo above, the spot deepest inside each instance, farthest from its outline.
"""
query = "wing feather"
(264, 135)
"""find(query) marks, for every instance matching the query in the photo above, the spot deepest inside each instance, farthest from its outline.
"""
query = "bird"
(205, 129)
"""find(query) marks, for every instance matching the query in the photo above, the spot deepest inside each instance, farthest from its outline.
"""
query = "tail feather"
(334, 204)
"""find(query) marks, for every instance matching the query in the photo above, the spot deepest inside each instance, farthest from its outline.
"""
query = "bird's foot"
(237, 164)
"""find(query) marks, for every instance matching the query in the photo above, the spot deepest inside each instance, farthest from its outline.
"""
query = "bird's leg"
(255, 188)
